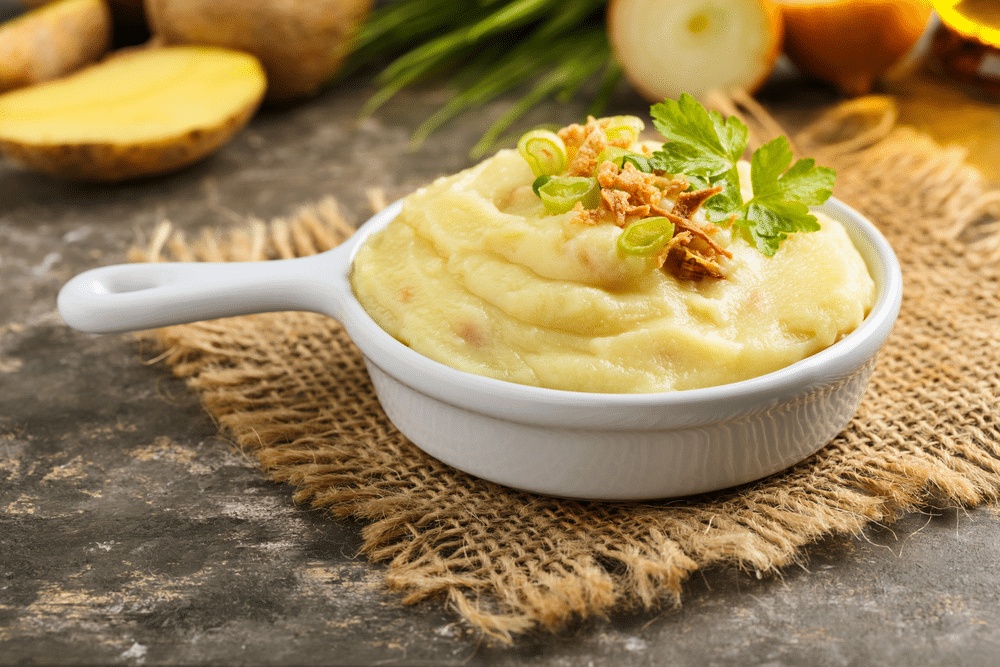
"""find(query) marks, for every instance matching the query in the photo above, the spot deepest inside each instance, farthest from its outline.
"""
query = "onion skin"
(719, 69)
(851, 43)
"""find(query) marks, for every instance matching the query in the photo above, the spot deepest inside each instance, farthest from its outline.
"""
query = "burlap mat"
(291, 389)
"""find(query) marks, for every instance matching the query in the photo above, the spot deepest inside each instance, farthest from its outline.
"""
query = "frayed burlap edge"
(291, 388)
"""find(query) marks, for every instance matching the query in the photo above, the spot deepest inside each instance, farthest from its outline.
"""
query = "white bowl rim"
(571, 409)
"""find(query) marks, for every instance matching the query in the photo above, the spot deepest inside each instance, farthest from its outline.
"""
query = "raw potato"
(301, 43)
(51, 41)
(669, 47)
(130, 4)
(126, 15)
(140, 113)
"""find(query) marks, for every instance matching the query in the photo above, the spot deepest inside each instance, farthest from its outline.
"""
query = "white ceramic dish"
(581, 445)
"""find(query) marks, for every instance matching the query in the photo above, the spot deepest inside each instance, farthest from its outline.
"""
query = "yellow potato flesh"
(141, 113)
(143, 96)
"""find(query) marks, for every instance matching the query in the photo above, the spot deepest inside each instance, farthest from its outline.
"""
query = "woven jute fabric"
(292, 389)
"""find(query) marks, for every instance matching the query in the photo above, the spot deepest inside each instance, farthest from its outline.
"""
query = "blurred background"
(938, 61)
(365, 102)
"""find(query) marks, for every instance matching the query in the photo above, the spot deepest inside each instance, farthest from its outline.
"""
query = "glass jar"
(966, 46)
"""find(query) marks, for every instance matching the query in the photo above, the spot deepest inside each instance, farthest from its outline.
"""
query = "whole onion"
(851, 43)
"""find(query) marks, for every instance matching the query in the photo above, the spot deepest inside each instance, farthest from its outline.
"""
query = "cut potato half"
(140, 113)
(50, 41)
(669, 47)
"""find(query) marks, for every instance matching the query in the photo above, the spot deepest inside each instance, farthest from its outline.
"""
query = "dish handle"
(130, 297)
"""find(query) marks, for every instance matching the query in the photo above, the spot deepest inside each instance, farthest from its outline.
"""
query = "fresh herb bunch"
(705, 147)
(547, 48)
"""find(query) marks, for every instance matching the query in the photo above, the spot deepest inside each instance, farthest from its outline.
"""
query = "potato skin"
(129, 4)
(110, 162)
(49, 42)
(110, 157)
(301, 43)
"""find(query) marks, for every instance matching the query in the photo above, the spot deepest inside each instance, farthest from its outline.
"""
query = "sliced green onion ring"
(624, 127)
(622, 155)
(611, 154)
(646, 237)
(544, 152)
(560, 194)
(539, 182)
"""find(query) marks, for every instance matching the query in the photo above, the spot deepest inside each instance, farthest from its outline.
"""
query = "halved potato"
(139, 113)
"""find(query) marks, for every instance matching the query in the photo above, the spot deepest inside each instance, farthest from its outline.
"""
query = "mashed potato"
(475, 274)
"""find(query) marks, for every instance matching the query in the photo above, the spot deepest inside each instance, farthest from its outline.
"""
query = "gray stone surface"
(131, 533)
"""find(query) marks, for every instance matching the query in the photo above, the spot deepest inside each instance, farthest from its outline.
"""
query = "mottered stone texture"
(132, 533)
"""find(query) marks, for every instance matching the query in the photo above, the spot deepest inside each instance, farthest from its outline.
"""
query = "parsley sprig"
(705, 147)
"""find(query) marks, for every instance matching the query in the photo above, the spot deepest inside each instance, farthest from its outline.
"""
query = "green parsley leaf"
(705, 148)
(767, 225)
(722, 206)
(782, 196)
(700, 141)
(678, 158)
(772, 178)
(640, 162)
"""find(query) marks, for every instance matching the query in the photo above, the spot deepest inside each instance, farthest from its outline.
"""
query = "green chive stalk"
(538, 49)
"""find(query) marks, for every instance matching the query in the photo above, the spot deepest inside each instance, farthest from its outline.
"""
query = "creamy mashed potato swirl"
(475, 274)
